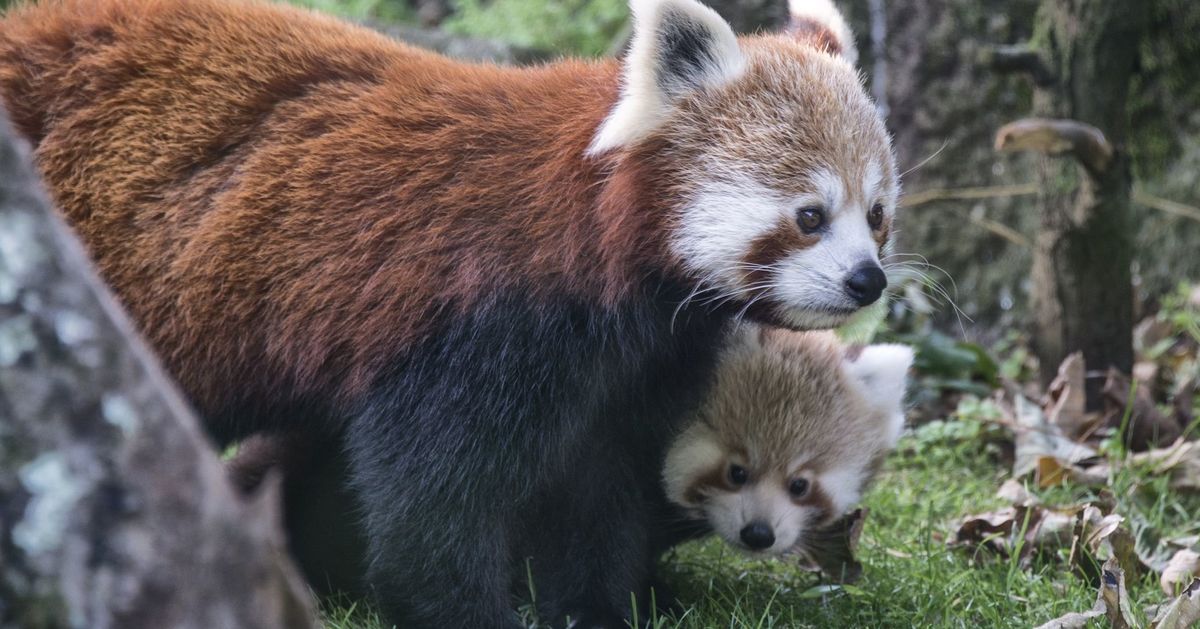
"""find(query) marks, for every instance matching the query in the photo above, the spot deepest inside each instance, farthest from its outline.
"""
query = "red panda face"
(780, 164)
(789, 203)
(791, 433)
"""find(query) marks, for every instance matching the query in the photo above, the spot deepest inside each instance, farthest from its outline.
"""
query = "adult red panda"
(463, 272)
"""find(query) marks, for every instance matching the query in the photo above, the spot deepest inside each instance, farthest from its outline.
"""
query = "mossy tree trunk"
(114, 510)
(1083, 292)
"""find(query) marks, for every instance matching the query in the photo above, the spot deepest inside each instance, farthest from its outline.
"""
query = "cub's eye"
(810, 219)
(738, 475)
(875, 216)
(798, 488)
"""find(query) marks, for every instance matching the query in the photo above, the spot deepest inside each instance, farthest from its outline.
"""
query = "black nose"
(757, 535)
(866, 284)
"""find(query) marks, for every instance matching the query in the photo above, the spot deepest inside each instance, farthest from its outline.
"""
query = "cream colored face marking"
(718, 227)
(872, 180)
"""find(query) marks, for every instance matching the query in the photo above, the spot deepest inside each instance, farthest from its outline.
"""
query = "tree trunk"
(114, 510)
(1083, 288)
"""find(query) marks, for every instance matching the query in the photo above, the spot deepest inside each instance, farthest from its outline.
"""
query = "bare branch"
(1166, 205)
(967, 194)
(1000, 229)
(1057, 137)
(925, 197)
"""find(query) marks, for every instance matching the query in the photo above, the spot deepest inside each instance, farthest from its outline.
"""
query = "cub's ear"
(819, 23)
(880, 373)
(692, 454)
(678, 46)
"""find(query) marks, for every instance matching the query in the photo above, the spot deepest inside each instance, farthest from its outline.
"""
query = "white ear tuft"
(693, 453)
(820, 22)
(678, 46)
(881, 371)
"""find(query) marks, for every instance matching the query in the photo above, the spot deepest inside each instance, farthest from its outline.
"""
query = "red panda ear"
(678, 46)
(880, 374)
(820, 24)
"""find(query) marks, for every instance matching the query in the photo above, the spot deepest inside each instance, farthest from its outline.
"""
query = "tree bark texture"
(1083, 252)
(922, 61)
(114, 510)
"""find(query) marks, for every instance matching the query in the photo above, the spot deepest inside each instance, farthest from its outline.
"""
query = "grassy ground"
(911, 578)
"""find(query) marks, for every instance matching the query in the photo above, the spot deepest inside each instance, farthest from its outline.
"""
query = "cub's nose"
(758, 535)
(866, 284)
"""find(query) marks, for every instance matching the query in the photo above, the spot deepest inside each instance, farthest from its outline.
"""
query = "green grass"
(911, 578)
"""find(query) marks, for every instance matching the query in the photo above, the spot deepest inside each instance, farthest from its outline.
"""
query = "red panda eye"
(810, 219)
(798, 487)
(875, 216)
(738, 475)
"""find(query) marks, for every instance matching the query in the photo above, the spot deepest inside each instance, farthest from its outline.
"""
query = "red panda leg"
(437, 556)
(491, 442)
(588, 555)
(320, 514)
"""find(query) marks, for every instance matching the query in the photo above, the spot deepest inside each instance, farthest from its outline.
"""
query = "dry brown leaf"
(1066, 401)
(1036, 437)
(1112, 601)
(1155, 552)
(1116, 598)
(1032, 529)
(831, 550)
(992, 530)
(1100, 536)
(1181, 613)
(1183, 567)
(1050, 472)
(1181, 459)
(1075, 620)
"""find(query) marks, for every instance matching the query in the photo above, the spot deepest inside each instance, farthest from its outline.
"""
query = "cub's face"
(764, 510)
(790, 435)
(780, 168)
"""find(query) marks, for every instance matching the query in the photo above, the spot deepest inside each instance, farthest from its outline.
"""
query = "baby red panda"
(794, 427)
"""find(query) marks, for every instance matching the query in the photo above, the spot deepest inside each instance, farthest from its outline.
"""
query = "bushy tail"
(819, 23)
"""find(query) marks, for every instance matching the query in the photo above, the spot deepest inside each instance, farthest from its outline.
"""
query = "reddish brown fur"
(190, 144)
(775, 246)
